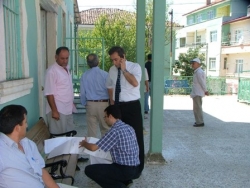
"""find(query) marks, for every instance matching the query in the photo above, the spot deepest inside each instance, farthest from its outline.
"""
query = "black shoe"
(199, 125)
(128, 183)
(81, 159)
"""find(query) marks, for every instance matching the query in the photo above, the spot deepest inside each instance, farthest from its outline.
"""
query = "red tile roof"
(89, 17)
(237, 19)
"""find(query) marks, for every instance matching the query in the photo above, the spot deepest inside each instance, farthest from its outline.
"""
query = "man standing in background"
(94, 95)
(59, 92)
(148, 67)
(199, 90)
(146, 93)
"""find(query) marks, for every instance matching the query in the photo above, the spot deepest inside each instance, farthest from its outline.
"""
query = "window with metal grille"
(12, 34)
(212, 63)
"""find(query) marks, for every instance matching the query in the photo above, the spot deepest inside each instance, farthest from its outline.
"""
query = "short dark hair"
(113, 110)
(117, 49)
(92, 60)
(10, 116)
(149, 56)
(58, 50)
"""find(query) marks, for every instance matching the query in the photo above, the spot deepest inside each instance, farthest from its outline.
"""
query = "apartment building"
(222, 28)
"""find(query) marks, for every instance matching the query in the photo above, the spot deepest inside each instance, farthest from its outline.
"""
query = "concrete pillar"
(140, 44)
(154, 155)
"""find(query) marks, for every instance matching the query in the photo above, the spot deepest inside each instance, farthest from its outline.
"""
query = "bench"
(61, 168)
(177, 86)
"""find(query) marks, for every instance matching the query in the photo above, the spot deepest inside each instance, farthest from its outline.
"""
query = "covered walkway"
(217, 155)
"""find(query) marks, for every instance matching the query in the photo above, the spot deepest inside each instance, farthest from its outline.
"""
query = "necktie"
(118, 86)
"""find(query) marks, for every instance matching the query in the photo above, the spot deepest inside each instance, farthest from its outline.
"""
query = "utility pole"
(171, 43)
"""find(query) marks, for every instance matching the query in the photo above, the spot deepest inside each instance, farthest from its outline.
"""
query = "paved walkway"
(217, 155)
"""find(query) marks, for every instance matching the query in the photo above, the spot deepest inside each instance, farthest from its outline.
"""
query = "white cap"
(195, 60)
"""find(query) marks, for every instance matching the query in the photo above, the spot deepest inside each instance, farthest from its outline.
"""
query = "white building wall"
(203, 29)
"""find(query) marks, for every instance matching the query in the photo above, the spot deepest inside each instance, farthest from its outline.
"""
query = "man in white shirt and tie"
(128, 94)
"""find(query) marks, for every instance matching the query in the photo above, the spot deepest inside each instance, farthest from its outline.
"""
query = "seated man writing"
(121, 141)
(21, 165)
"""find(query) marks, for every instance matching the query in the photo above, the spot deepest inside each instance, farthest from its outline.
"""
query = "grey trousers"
(63, 125)
(197, 109)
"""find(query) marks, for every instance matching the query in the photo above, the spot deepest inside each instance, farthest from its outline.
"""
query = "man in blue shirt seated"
(21, 165)
(121, 141)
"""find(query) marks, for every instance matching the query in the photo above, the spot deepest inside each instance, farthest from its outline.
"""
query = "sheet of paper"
(51, 144)
(59, 150)
(70, 145)
(75, 145)
(98, 153)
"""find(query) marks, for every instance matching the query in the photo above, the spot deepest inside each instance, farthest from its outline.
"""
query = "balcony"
(238, 39)
(193, 45)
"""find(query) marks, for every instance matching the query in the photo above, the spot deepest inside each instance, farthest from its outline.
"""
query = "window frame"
(198, 39)
(212, 64)
(239, 66)
(210, 15)
(198, 18)
(213, 36)
(238, 34)
(11, 89)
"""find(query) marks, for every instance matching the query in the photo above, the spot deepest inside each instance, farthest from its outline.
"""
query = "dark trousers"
(111, 175)
(131, 115)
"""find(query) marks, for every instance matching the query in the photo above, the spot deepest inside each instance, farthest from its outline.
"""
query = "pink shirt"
(58, 82)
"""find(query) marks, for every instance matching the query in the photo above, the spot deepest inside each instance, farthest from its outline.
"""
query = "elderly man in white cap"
(199, 90)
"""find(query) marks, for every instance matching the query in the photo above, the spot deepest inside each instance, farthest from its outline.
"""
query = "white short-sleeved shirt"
(18, 169)
(128, 91)
(58, 82)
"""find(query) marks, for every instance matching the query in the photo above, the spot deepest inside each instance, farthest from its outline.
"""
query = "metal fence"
(244, 90)
(215, 85)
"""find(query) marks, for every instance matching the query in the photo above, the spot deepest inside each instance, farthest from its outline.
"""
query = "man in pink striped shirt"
(59, 92)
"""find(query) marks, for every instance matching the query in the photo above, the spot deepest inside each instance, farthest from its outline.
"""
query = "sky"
(179, 7)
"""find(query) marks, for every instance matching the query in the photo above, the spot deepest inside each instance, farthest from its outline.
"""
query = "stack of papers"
(70, 145)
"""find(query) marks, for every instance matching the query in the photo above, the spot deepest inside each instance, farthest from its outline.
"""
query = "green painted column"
(140, 44)
(157, 90)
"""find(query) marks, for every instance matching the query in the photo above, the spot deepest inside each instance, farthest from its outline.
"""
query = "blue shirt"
(93, 85)
(18, 169)
(121, 141)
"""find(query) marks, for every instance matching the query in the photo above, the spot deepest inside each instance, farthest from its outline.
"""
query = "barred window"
(12, 32)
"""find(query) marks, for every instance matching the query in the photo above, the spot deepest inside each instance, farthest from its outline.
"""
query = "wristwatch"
(124, 71)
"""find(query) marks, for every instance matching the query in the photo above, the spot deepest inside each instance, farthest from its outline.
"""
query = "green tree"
(149, 27)
(119, 29)
(182, 65)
